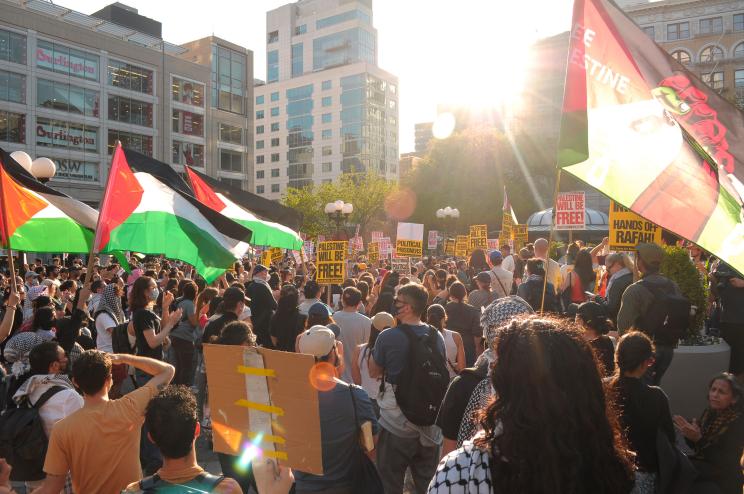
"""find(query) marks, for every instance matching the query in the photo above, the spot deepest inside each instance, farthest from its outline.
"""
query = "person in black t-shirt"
(233, 304)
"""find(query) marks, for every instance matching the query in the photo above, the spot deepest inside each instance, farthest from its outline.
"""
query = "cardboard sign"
(376, 236)
(309, 247)
(331, 262)
(461, 246)
(449, 247)
(265, 397)
(507, 222)
(266, 257)
(478, 238)
(570, 212)
(433, 240)
(401, 265)
(373, 252)
(520, 235)
(627, 229)
(493, 244)
(409, 241)
(386, 247)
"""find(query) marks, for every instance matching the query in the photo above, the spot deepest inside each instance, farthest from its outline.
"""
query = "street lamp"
(43, 169)
(338, 212)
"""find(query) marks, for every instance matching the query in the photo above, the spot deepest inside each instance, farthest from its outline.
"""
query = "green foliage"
(557, 249)
(677, 267)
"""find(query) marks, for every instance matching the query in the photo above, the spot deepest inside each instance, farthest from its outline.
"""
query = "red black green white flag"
(646, 132)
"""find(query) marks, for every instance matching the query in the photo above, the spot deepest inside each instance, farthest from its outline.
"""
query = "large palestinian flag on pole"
(142, 213)
(36, 218)
(264, 232)
(649, 134)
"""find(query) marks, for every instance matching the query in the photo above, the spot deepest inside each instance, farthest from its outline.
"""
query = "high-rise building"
(72, 84)
(326, 107)
(424, 135)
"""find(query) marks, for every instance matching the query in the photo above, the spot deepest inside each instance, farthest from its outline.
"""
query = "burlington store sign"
(62, 134)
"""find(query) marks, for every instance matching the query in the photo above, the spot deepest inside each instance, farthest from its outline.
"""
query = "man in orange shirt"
(99, 444)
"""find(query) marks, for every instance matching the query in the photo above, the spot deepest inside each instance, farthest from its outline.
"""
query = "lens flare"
(400, 204)
(250, 451)
(322, 376)
(444, 125)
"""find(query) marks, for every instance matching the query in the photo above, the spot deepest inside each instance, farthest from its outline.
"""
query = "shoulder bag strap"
(209, 480)
(506, 294)
(47, 395)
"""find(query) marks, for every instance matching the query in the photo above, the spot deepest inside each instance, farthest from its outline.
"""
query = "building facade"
(326, 107)
(424, 136)
(71, 85)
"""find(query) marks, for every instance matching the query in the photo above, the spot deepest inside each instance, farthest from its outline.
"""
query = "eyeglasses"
(397, 301)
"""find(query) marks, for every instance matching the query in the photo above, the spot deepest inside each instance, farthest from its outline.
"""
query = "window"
(131, 77)
(68, 98)
(127, 110)
(275, 111)
(714, 80)
(297, 65)
(326, 134)
(326, 85)
(739, 50)
(275, 158)
(232, 182)
(392, 87)
(275, 96)
(259, 129)
(712, 25)
(12, 126)
(327, 167)
(231, 134)
(343, 17)
(272, 37)
(274, 142)
(260, 100)
(185, 122)
(65, 60)
(326, 101)
(260, 159)
(272, 66)
(326, 118)
(259, 174)
(186, 153)
(138, 142)
(738, 22)
(12, 87)
(275, 127)
(12, 48)
(274, 188)
(711, 54)
(231, 161)
(81, 171)
(327, 151)
(259, 189)
(344, 48)
(681, 56)
(301, 29)
(739, 78)
(274, 172)
(228, 79)
(649, 30)
(680, 30)
(67, 135)
(259, 144)
(187, 92)
(259, 114)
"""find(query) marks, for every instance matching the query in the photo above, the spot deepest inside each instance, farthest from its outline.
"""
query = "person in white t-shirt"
(355, 327)
(311, 292)
(508, 260)
(554, 269)
(501, 278)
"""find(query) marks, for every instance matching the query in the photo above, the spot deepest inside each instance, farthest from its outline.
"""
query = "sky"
(470, 52)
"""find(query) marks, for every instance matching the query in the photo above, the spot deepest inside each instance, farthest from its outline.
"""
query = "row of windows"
(260, 188)
(274, 173)
(186, 153)
(12, 47)
(711, 25)
(710, 53)
(327, 167)
(228, 79)
(343, 17)
(185, 122)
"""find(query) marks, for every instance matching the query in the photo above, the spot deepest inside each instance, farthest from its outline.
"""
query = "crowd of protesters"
(508, 372)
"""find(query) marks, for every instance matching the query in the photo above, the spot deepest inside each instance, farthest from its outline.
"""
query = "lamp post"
(338, 212)
(448, 216)
(43, 169)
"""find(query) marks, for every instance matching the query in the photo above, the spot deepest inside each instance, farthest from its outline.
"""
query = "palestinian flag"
(36, 218)
(265, 233)
(649, 134)
(142, 212)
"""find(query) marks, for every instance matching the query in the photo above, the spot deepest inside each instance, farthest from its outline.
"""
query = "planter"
(686, 381)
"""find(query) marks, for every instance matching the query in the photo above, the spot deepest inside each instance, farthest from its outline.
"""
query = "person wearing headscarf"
(108, 315)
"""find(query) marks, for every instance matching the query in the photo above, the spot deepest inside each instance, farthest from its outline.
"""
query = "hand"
(690, 430)
(605, 240)
(14, 299)
(173, 318)
(167, 299)
(737, 282)
(85, 293)
(118, 358)
(166, 342)
(272, 478)
(5, 469)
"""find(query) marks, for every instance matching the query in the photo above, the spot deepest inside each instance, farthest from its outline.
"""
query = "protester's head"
(593, 318)
(363, 288)
(411, 301)
(524, 254)
(289, 298)
(634, 352)
(144, 293)
(311, 290)
(648, 258)
(172, 422)
(274, 281)
(550, 417)
(500, 313)
(497, 257)
(188, 290)
(205, 297)
(91, 372)
(236, 333)
(441, 278)
(541, 248)
(483, 280)
(97, 286)
(571, 252)
(318, 314)
(583, 266)
(478, 260)
(724, 392)
(47, 358)
(436, 316)
(384, 303)
(457, 291)
(536, 266)
(43, 318)
(261, 272)
(617, 261)
(351, 298)
(234, 300)
(68, 331)
(320, 342)
(505, 250)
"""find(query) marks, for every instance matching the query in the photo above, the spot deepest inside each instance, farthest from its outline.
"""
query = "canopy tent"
(541, 221)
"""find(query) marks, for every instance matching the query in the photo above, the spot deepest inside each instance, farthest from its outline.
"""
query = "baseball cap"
(31, 274)
(259, 268)
(483, 277)
(495, 257)
(233, 295)
(319, 309)
(650, 253)
(382, 320)
(317, 341)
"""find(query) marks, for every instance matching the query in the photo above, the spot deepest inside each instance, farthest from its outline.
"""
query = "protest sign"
(478, 238)
(401, 265)
(520, 236)
(627, 229)
(461, 246)
(309, 248)
(570, 212)
(330, 262)
(409, 241)
(449, 247)
(376, 236)
(373, 252)
(266, 257)
(266, 398)
(493, 244)
(507, 222)
(386, 247)
(433, 240)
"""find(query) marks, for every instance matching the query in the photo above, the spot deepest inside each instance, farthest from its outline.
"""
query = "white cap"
(317, 341)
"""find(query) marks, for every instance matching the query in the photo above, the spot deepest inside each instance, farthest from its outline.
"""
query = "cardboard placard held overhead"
(264, 397)
(449, 247)
(409, 241)
(373, 251)
(386, 247)
(570, 211)
(461, 246)
(376, 236)
(493, 244)
(627, 229)
(401, 265)
(433, 240)
(520, 235)
(478, 237)
(331, 262)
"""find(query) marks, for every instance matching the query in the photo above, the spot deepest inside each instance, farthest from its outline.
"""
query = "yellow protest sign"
(627, 229)
(449, 247)
(520, 235)
(266, 257)
(506, 224)
(461, 246)
(373, 252)
(409, 248)
(331, 262)
(478, 237)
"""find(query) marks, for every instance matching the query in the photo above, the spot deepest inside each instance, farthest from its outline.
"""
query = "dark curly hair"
(551, 421)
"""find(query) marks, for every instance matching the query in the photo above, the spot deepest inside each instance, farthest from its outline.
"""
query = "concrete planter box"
(686, 380)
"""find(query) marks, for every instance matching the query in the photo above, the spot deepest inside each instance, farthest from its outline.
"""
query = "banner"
(331, 262)
(409, 241)
(493, 244)
(570, 211)
(433, 240)
(449, 247)
(478, 237)
(461, 246)
(627, 229)
(373, 252)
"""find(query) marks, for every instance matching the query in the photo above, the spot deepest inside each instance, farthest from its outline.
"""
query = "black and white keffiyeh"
(110, 303)
(463, 471)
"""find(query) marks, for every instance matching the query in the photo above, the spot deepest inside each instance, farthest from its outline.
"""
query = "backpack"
(424, 380)
(23, 442)
(204, 482)
(120, 339)
(667, 318)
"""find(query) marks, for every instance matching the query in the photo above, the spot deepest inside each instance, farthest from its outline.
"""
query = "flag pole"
(11, 266)
(550, 240)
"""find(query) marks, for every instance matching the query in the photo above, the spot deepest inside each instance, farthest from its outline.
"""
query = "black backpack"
(23, 442)
(424, 380)
(667, 318)
(120, 339)
(204, 482)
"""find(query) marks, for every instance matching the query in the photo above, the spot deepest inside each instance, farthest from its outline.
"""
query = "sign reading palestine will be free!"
(331, 262)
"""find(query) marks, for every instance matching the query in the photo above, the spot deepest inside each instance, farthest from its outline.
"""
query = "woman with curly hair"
(550, 428)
